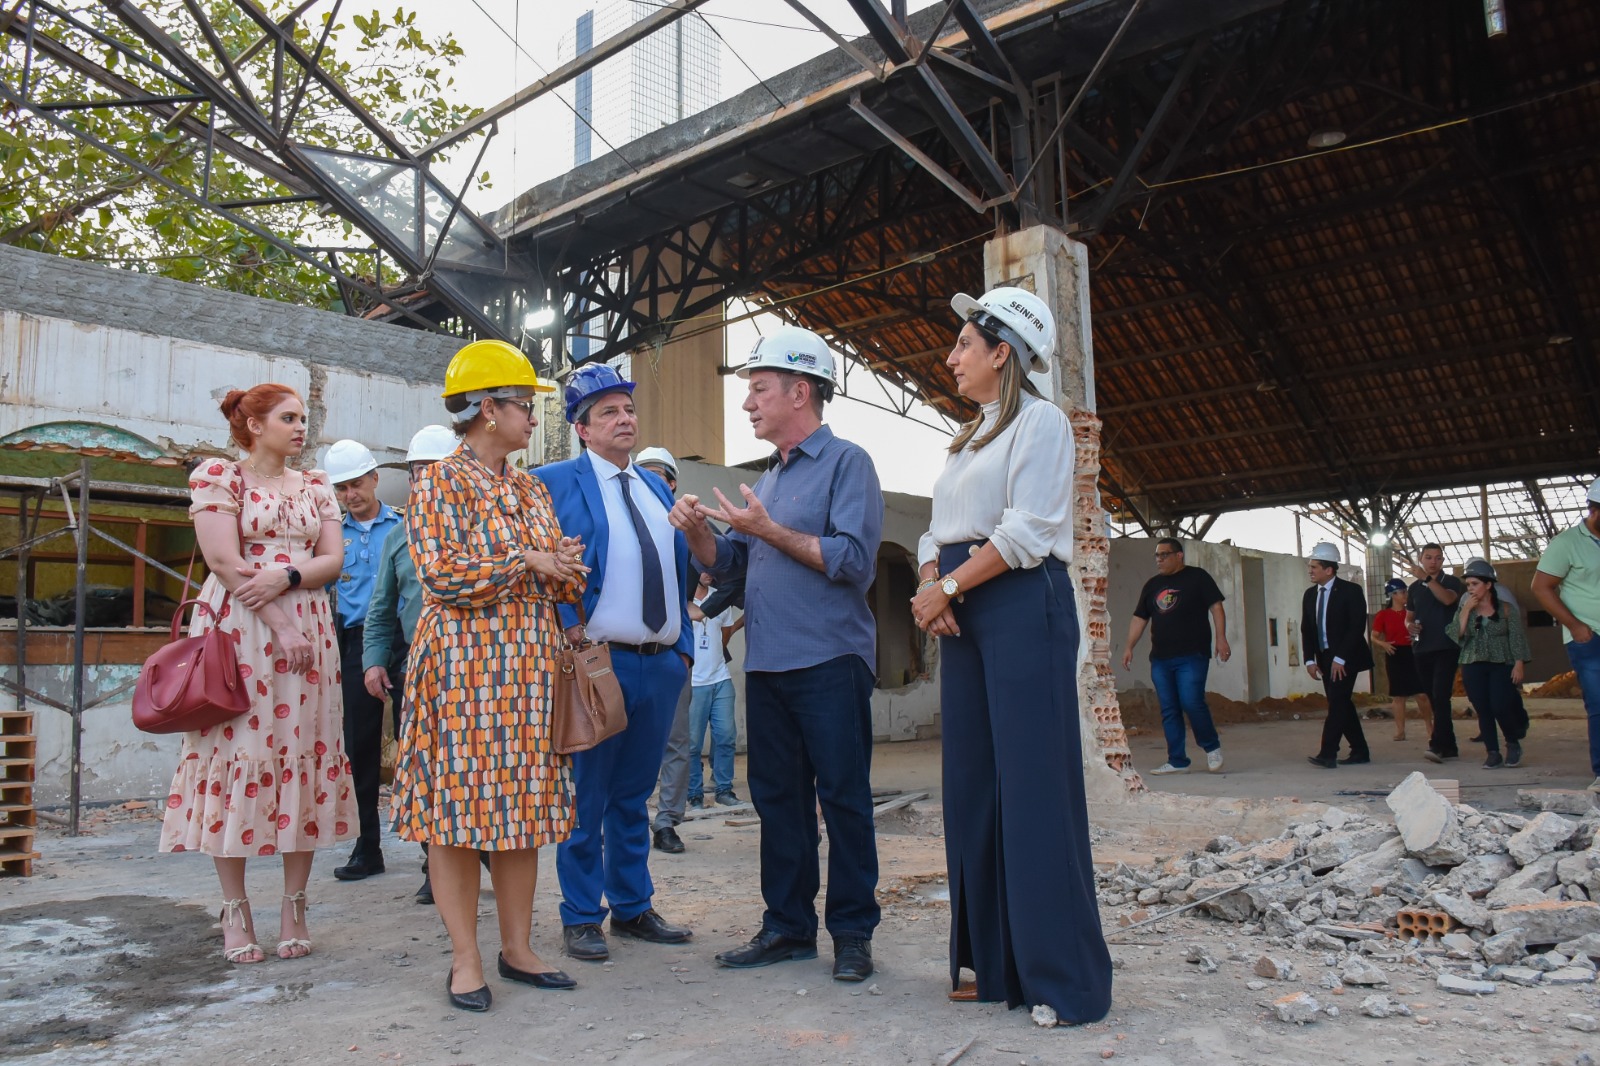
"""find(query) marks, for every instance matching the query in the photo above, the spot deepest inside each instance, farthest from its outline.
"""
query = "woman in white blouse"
(997, 591)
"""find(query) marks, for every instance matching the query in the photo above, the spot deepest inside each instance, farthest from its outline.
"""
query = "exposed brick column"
(1044, 260)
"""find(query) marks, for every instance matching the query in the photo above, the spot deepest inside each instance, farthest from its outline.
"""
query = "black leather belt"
(653, 648)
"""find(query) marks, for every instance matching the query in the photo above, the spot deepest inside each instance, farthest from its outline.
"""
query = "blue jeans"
(1181, 687)
(810, 742)
(1586, 664)
(714, 704)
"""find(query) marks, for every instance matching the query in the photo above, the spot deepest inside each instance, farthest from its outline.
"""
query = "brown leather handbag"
(192, 682)
(588, 698)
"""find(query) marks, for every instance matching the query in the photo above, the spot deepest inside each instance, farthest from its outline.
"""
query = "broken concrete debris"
(1477, 899)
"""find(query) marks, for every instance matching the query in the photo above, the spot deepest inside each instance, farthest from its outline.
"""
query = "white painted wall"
(1284, 583)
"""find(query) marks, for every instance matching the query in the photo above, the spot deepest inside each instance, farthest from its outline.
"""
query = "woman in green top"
(1494, 653)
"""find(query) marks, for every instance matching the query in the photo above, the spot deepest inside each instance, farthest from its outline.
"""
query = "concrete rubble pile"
(1474, 901)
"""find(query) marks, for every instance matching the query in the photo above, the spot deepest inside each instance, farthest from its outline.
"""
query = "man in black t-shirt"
(1179, 605)
(1430, 604)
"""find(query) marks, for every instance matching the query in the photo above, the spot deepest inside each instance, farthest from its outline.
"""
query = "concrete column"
(1043, 260)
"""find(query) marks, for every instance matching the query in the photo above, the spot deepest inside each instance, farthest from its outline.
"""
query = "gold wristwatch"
(949, 587)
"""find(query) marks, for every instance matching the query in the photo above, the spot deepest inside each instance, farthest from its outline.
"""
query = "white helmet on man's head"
(797, 351)
(1017, 317)
(348, 460)
(1325, 552)
(658, 456)
(431, 443)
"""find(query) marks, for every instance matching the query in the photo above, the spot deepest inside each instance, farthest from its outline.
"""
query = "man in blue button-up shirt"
(806, 541)
(367, 523)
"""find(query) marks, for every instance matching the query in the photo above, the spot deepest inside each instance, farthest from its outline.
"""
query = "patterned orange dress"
(274, 779)
(476, 767)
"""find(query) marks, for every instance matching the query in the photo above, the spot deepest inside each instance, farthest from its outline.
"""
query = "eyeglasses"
(1163, 555)
(525, 406)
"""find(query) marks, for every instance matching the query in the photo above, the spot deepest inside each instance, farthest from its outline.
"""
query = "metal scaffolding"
(32, 493)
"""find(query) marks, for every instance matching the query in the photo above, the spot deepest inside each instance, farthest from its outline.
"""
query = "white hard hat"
(1594, 491)
(431, 443)
(1325, 552)
(348, 460)
(661, 457)
(1017, 317)
(796, 350)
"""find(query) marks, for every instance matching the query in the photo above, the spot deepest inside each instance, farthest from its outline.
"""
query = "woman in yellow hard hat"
(476, 770)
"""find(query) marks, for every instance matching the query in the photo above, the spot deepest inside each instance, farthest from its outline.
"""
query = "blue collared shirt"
(362, 549)
(796, 616)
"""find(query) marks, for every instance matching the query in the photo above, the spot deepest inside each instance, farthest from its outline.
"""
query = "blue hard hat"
(1393, 585)
(588, 382)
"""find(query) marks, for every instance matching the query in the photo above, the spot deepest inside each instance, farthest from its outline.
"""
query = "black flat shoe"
(555, 980)
(362, 865)
(1326, 764)
(585, 942)
(1355, 760)
(852, 958)
(766, 948)
(476, 1000)
(667, 840)
(650, 926)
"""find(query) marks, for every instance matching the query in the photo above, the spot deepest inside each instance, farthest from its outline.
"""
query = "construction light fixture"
(1326, 138)
(543, 318)
(1378, 539)
(1494, 17)
(1560, 338)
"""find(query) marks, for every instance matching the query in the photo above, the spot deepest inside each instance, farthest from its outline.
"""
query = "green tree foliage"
(60, 195)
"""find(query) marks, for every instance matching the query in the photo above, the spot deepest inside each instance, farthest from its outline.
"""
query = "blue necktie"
(655, 589)
(1322, 618)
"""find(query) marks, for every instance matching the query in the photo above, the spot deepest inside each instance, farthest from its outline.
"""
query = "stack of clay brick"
(1492, 896)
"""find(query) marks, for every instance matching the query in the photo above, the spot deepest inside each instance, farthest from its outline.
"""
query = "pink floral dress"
(276, 778)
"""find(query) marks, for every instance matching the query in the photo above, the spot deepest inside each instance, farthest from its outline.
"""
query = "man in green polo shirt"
(397, 604)
(1567, 585)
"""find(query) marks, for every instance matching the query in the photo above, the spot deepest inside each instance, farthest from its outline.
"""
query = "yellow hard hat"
(484, 365)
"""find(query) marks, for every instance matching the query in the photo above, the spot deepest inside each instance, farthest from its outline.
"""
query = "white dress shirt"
(619, 613)
(1324, 595)
(1015, 492)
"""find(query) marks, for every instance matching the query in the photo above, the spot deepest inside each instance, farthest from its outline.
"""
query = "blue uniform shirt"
(796, 616)
(362, 548)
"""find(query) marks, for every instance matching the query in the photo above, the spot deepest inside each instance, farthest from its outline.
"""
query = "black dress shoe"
(476, 1000)
(585, 942)
(652, 927)
(364, 863)
(852, 958)
(425, 893)
(667, 840)
(766, 948)
(1326, 764)
(1354, 760)
(555, 980)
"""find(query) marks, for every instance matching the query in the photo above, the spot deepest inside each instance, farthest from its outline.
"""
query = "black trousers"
(1342, 723)
(363, 735)
(1437, 672)
(1494, 697)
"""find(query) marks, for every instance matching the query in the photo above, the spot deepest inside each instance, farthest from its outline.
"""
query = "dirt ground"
(111, 954)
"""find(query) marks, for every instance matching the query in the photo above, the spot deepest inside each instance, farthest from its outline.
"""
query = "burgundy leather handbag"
(192, 682)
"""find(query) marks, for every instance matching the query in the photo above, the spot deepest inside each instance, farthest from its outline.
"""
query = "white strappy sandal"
(290, 947)
(233, 918)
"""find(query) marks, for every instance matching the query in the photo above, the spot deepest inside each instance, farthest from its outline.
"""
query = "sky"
(512, 43)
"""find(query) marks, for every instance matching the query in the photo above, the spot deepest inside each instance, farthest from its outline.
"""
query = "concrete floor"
(111, 954)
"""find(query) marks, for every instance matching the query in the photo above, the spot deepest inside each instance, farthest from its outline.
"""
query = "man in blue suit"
(636, 600)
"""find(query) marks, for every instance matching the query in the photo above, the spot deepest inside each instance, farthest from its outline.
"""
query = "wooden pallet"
(18, 820)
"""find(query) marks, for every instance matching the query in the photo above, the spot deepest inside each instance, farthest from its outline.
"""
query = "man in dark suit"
(637, 600)
(1333, 633)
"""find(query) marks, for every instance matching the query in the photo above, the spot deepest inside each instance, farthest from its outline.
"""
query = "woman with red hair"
(275, 780)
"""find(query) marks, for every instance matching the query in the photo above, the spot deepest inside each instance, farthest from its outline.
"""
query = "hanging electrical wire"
(734, 52)
(545, 73)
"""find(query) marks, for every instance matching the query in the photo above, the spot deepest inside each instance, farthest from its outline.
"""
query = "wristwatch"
(294, 576)
(949, 587)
